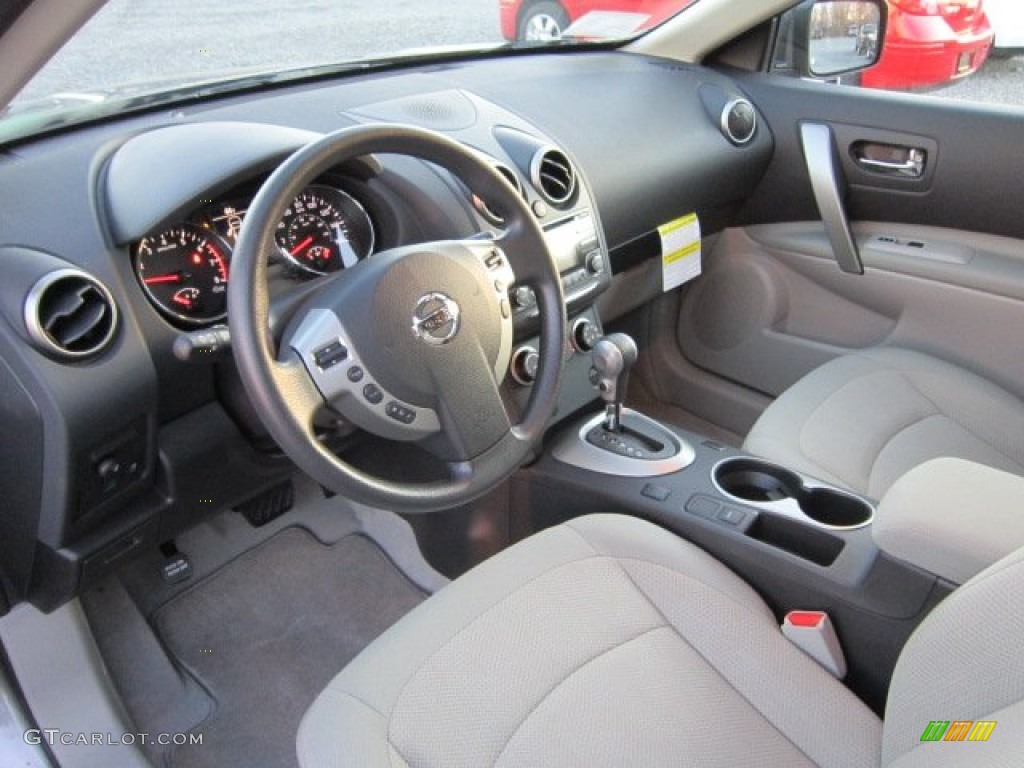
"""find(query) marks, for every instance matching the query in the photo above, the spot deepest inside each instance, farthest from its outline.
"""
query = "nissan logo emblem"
(436, 318)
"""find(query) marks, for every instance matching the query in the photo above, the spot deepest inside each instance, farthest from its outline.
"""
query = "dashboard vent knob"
(553, 176)
(739, 121)
(70, 314)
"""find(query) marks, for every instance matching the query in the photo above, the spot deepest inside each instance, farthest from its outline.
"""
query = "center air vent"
(485, 209)
(553, 175)
(70, 314)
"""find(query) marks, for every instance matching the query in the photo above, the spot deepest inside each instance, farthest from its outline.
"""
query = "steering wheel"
(410, 344)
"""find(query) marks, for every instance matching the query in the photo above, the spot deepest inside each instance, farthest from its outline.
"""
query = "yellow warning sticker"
(680, 251)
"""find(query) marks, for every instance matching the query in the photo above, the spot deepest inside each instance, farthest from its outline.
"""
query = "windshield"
(143, 47)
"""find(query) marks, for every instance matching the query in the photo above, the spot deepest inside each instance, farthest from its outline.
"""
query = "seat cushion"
(606, 641)
(863, 420)
(963, 666)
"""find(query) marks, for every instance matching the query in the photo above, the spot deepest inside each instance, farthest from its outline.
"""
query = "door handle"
(911, 166)
(819, 154)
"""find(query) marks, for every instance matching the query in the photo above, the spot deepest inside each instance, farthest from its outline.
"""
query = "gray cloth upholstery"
(863, 420)
(609, 642)
(964, 662)
(951, 517)
(606, 641)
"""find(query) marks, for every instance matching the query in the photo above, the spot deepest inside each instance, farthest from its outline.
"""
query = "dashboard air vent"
(482, 206)
(553, 175)
(739, 121)
(70, 314)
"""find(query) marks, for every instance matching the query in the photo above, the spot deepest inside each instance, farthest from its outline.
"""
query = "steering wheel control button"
(435, 318)
(400, 413)
(329, 355)
(506, 309)
(494, 260)
(355, 374)
(373, 394)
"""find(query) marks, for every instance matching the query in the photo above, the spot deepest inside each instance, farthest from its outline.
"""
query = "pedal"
(269, 505)
(177, 567)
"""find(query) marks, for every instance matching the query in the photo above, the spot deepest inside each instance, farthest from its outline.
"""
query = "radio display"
(564, 239)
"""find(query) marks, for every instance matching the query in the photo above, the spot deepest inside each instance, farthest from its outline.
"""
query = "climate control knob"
(585, 335)
(524, 365)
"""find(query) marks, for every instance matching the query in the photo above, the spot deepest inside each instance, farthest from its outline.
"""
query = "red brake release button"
(805, 618)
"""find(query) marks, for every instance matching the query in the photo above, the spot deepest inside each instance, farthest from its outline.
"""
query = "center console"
(804, 543)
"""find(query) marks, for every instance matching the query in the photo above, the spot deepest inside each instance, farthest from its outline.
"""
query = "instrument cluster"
(184, 269)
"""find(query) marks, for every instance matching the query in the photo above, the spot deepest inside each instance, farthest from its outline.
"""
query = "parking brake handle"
(613, 357)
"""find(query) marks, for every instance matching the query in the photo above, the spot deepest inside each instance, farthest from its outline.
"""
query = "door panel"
(976, 168)
(773, 305)
(987, 263)
(937, 225)
(756, 318)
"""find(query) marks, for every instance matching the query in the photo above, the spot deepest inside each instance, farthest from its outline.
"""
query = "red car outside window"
(539, 20)
(929, 43)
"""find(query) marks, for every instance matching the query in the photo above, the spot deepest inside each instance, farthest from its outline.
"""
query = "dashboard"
(127, 422)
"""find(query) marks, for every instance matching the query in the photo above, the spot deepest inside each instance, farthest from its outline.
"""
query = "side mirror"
(827, 38)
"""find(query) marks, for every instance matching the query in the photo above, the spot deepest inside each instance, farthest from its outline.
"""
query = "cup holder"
(761, 482)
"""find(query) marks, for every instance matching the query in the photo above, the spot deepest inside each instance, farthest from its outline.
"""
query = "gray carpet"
(265, 634)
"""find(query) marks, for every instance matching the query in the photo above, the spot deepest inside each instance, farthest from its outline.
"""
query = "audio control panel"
(582, 263)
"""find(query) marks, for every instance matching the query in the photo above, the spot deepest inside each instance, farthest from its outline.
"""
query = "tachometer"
(323, 230)
(184, 271)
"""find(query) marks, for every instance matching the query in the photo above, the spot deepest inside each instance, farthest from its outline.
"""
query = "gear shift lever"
(613, 357)
(622, 441)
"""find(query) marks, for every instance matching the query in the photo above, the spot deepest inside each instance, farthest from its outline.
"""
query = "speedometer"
(184, 271)
(323, 230)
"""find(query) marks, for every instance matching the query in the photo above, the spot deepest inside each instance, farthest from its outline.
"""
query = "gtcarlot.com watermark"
(55, 736)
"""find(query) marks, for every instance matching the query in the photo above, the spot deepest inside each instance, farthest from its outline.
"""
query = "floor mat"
(267, 632)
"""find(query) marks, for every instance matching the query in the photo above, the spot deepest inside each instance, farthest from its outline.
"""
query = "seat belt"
(812, 632)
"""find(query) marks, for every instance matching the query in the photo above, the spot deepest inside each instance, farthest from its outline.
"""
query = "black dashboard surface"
(644, 135)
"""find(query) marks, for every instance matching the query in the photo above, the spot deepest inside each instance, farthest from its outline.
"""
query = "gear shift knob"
(613, 357)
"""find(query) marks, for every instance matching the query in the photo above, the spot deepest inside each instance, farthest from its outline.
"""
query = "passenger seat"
(864, 419)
